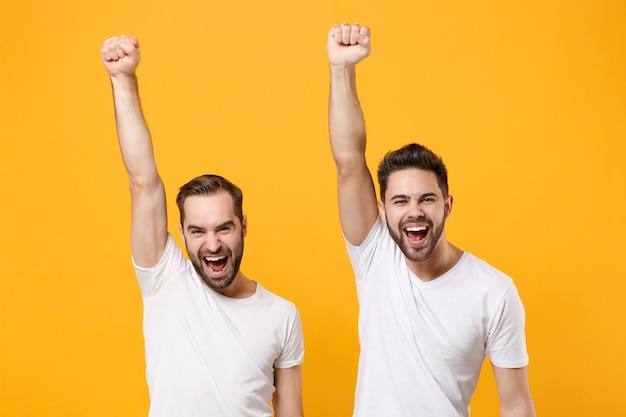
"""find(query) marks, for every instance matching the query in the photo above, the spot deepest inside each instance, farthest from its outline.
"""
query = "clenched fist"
(348, 44)
(121, 55)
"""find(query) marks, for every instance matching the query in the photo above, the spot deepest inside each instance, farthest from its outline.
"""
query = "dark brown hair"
(412, 156)
(208, 185)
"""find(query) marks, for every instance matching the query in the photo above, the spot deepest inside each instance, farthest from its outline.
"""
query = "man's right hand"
(348, 44)
(121, 55)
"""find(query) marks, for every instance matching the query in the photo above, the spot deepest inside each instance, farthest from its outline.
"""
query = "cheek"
(192, 247)
(442, 215)
(393, 217)
(230, 241)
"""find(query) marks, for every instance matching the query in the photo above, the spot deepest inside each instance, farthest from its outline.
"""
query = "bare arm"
(347, 45)
(514, 392)
(287, 400)
(121, 55)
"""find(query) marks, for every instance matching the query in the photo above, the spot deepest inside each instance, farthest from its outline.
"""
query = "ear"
(448, 206)
(381, 210)
(244, 225)
(182, 234)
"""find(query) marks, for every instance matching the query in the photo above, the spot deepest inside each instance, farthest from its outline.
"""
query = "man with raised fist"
(217, 343)
(429, 312)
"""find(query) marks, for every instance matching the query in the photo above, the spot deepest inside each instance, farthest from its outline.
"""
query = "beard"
(422, 254)
(222, 283)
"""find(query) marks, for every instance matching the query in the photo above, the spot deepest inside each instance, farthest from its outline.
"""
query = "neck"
(242, 287)
(443, 258)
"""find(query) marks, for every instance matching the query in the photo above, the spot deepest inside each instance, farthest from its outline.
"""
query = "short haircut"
(412, 155)
(209, 184)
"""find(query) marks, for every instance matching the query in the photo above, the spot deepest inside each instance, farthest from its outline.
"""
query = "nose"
(213, 242)
(415, 210)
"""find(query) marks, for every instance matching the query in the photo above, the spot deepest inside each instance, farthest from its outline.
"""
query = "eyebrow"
(193, 226)
(399, 196)
(219, 226)
(406, 197)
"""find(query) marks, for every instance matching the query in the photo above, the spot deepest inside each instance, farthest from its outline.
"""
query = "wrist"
(342, 69)
(123, 80)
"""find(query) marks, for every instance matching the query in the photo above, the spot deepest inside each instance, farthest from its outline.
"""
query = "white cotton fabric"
(208, 355)
(423, 343)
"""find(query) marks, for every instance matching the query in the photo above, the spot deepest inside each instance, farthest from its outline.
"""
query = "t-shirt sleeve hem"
(510, 365)
(288, 364)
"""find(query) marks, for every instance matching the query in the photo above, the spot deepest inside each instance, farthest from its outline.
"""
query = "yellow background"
(524, 100)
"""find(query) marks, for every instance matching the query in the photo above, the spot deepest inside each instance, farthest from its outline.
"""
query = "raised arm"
(121, 55)
(347, 45)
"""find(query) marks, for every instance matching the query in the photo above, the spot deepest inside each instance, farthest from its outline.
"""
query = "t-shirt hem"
(510, 365)
(290, 364)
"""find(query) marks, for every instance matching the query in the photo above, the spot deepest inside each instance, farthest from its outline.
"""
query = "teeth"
(416, 229)
(214, 258)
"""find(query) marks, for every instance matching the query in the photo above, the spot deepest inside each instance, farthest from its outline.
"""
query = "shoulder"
(377, 231)
(270, 298)
(478, 279)
(483, 271)
(378, 245)
(171, 265)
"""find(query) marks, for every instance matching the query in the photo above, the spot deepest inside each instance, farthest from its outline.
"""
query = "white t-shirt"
(208, 355)
(423, 343)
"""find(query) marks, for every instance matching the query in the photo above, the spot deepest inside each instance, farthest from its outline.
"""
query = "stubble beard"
(422, 254)
(222, 283)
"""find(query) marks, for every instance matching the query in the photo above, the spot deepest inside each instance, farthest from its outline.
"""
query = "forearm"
(346, 122)
(523, 409)
(280, 412)
(133, 134)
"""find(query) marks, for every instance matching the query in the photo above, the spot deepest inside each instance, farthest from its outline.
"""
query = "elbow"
(523, 407)
(349, 166)
(141, 185)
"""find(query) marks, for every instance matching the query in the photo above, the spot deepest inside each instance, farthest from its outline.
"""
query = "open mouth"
(416, 234)
(216, 263)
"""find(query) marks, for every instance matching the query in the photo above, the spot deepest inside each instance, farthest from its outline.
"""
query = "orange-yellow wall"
(526, 101)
